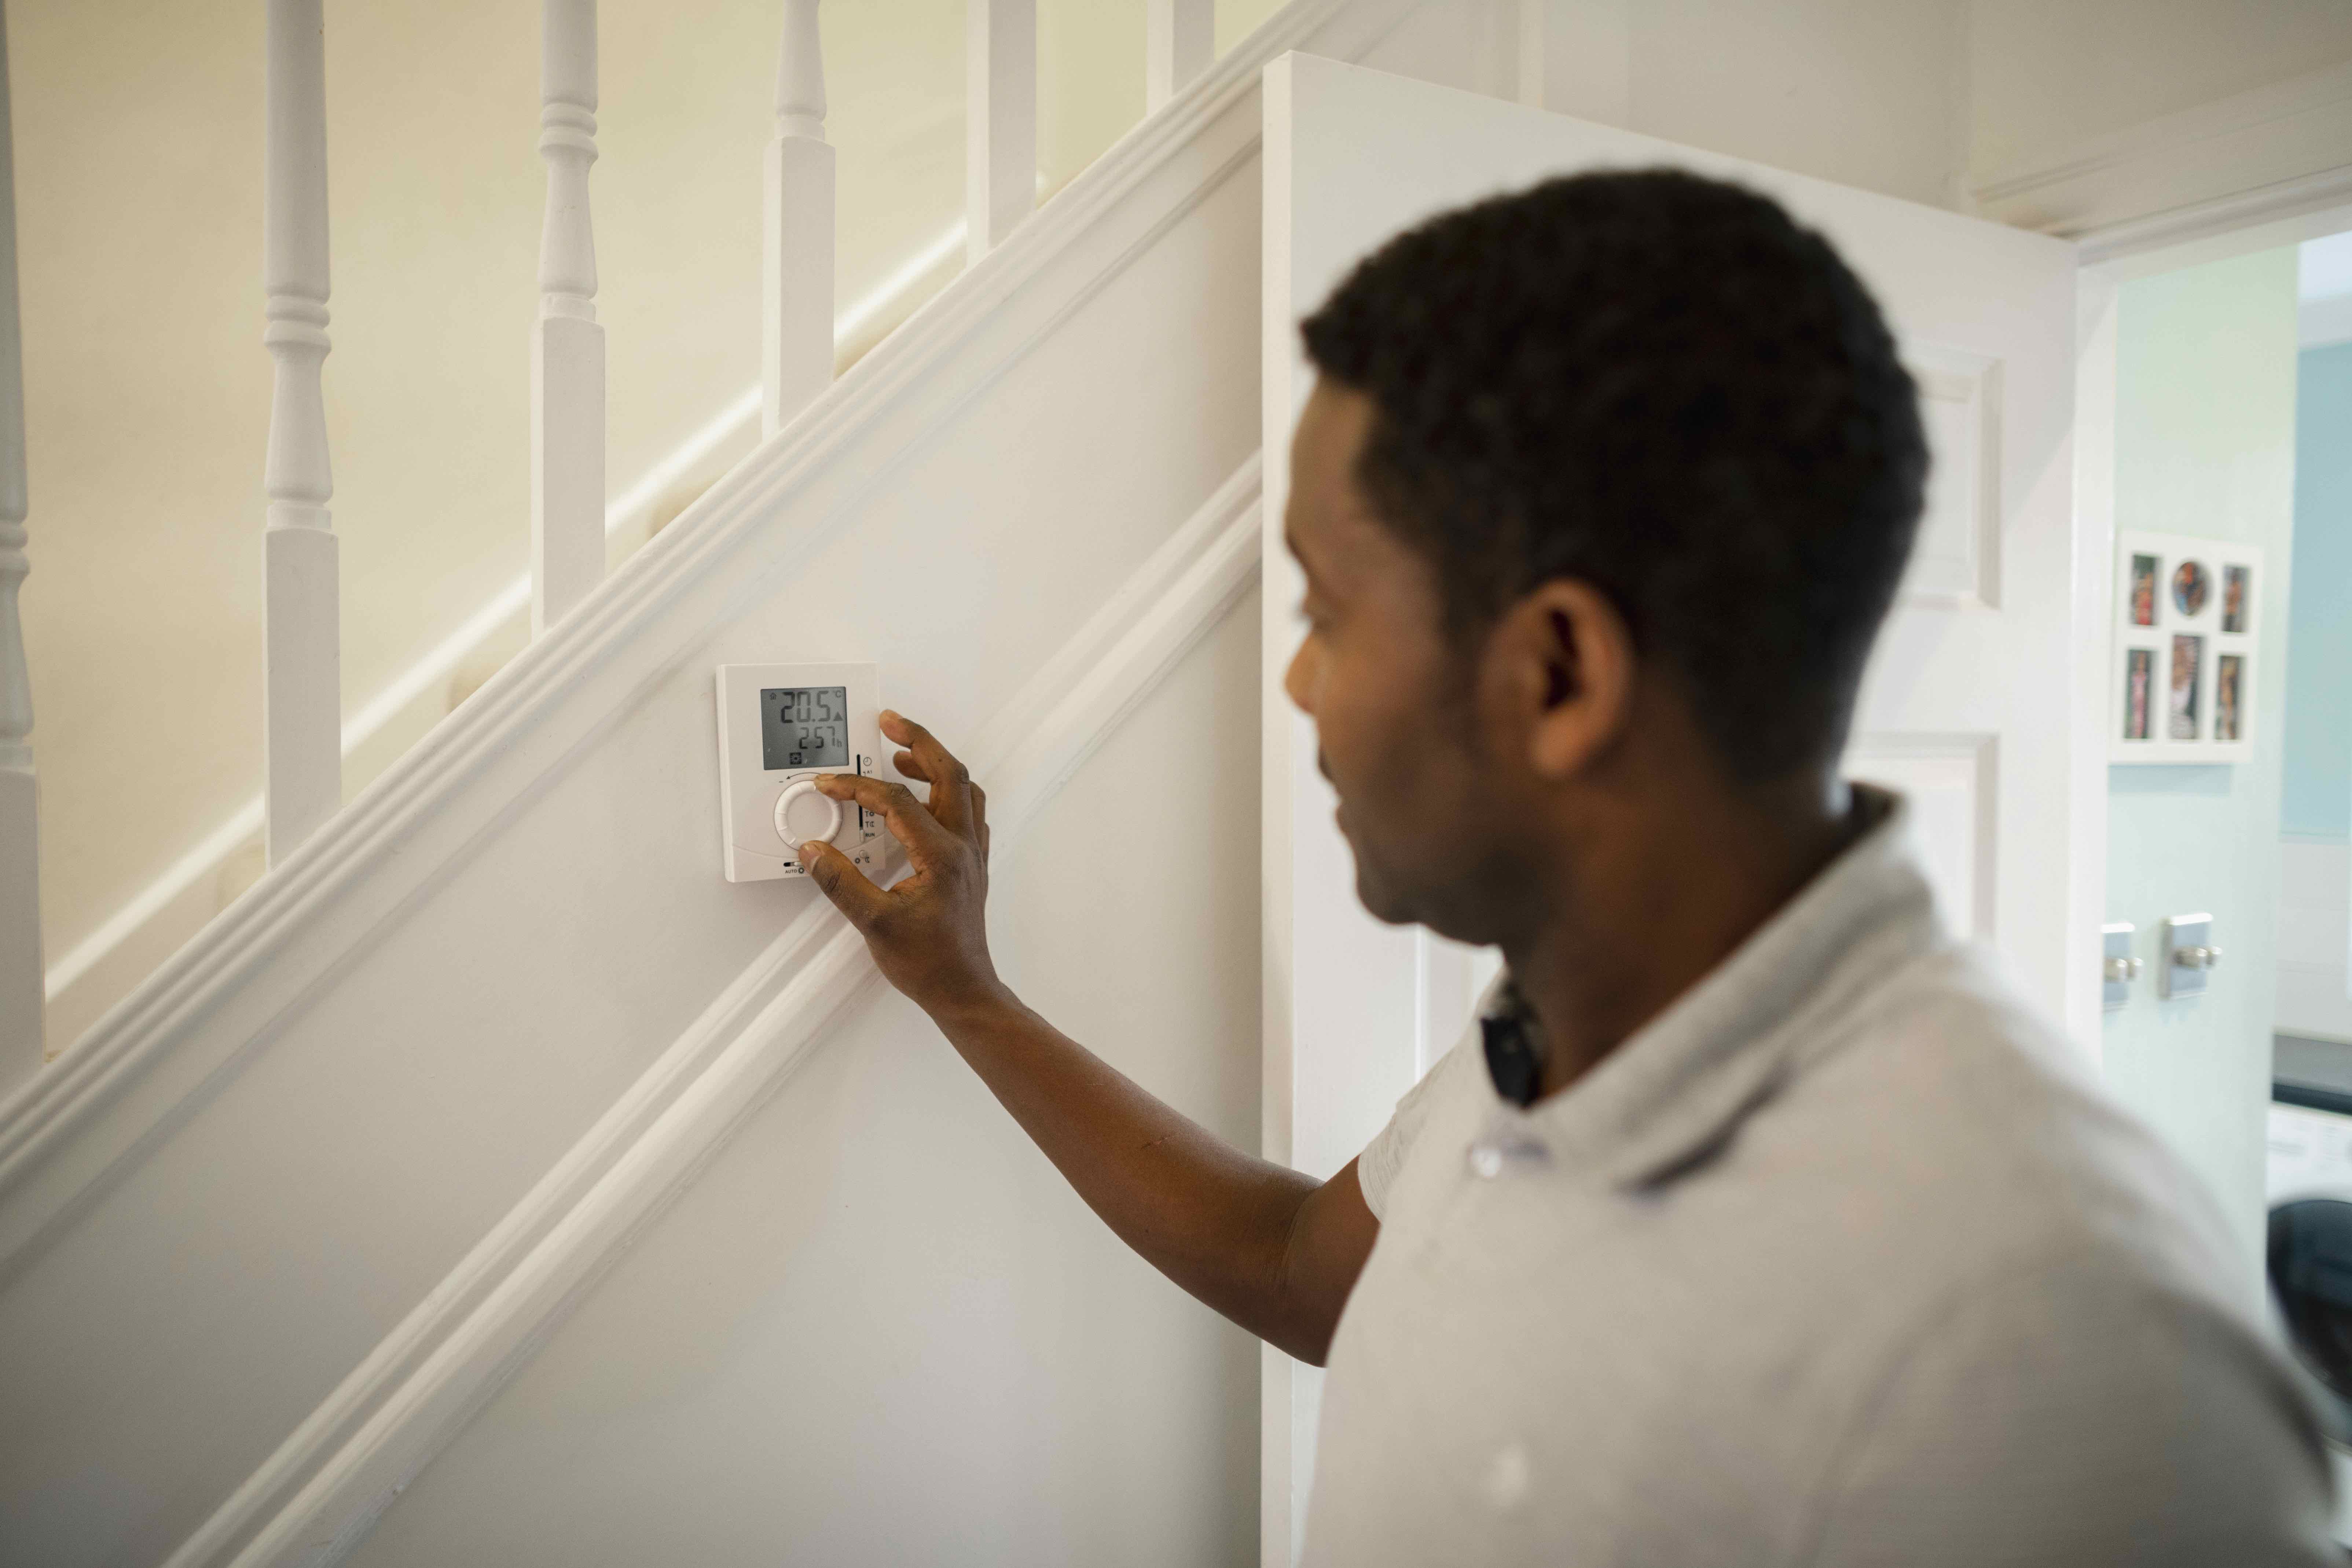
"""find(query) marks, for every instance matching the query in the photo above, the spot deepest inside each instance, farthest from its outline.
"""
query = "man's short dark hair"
(1662, 386)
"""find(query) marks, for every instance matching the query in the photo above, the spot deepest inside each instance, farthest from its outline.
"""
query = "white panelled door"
(1970, 705)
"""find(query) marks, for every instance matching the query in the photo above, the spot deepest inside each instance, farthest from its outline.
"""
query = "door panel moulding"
(313, 1498)
(184, 1033)
(2219, 166)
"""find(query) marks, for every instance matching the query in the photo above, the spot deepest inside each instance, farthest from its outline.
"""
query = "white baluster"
(302, 686)
(20, 884)
(1000, 118)
(1180, 40)
(567, 344)
(796, 260)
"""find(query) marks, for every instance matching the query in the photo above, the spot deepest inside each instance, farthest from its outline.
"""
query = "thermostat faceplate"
(780, 726)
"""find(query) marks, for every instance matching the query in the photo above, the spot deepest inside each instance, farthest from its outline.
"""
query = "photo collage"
(2185, 636)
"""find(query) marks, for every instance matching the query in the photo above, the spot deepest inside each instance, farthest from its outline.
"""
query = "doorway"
(2218, 391)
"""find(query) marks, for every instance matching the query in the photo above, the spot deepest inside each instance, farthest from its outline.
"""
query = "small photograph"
(2188, 655)
(2229, 680)
(2191, 587)
(2143, 590)
(2139, 676)
(2236, 583)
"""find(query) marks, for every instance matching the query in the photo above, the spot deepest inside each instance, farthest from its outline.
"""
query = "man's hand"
(929, 935)
(1274, 1250)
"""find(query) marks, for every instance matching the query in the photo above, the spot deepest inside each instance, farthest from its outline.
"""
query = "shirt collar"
(1681, 1085)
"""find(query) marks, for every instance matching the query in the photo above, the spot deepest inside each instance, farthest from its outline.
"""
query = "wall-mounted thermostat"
(780, 725)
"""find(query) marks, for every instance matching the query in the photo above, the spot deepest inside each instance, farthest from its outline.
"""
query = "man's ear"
(1565, 658)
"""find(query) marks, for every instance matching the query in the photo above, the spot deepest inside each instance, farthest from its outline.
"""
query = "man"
(1756, 1221)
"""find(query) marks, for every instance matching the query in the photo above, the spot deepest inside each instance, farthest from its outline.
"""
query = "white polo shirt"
(1843, 1259)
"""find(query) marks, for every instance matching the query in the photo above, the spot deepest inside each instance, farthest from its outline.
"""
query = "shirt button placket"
(1503, 1149)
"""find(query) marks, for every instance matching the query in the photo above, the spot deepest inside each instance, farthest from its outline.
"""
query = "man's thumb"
(842, 882)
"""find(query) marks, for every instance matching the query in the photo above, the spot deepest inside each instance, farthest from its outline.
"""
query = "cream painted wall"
(138, 160)
(137, 152)
(2044, 78)
(1863, 92)
(1908, 96)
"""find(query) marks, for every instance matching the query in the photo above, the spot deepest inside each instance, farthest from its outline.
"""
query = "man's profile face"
(1393, 700)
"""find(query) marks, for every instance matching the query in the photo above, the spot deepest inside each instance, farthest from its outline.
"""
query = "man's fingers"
(951, 784)
(909, 823)
(851, 892)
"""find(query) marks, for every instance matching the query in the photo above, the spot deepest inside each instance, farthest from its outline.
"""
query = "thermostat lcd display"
(804, 727)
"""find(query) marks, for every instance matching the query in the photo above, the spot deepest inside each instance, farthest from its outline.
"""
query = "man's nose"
(1297, 682)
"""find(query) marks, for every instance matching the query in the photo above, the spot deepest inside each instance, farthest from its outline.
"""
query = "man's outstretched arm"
(1276, 1251)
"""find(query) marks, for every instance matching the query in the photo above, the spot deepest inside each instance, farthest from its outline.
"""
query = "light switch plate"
(2186, 957)
(2117, 967)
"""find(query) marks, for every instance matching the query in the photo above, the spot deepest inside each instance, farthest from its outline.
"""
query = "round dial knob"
(802, 813)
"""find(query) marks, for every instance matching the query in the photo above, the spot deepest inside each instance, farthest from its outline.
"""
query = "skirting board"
(314, 1498)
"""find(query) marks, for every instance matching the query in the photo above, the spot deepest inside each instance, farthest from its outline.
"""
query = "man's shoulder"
(1989, 1142)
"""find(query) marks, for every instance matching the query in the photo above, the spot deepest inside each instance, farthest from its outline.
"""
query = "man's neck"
(1658, 903)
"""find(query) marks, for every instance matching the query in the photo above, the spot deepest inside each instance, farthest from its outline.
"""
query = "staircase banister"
(159, 1049)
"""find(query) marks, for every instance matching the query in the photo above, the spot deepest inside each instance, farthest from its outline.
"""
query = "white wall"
(2046, 78)
(2205, 445)
(1869, 95)
(2052, 114)
(880, 1328)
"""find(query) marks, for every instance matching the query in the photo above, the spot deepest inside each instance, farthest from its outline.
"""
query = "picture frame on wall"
(2188, 630)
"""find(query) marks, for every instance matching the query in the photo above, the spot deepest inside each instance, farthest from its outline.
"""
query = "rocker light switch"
(2187, 957)
(2117, 967)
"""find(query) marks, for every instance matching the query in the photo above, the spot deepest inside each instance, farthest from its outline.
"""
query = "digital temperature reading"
(804, 727)
(781, 726)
